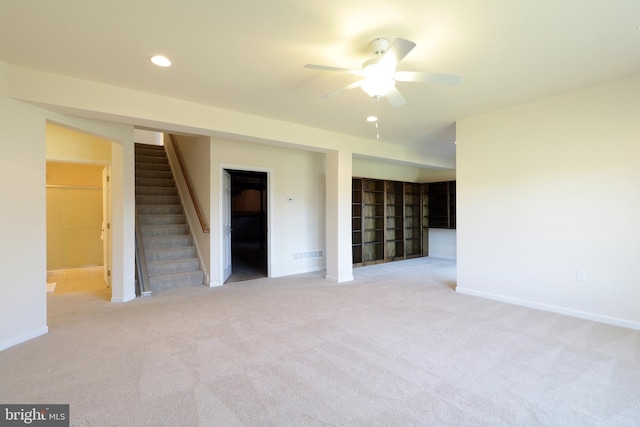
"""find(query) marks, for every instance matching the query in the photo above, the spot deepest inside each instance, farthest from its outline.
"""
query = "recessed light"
(372, 119)
(161, 61)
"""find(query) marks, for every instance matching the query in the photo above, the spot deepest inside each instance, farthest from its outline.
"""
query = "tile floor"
(77, 279)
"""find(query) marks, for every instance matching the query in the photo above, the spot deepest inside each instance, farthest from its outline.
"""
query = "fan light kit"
(379, 75)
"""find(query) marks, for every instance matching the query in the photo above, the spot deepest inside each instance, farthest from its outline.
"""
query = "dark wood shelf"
(390, 220)
(442, 204)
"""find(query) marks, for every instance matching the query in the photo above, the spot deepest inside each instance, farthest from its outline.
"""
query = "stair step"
(152, 159)
(169, 247)
(155, 182)
(140, 151)
(156, 191)
(168, 254)
(164, 230)
(148, 153)
(157, 200)
(159, 209)
(153, 166)
(149, 146)
(162, 219)
(154, 174)
(162, 268)
(170, 281)
(157, 242)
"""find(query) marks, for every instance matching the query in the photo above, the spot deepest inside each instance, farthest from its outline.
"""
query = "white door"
(226, 225)
(106, 224)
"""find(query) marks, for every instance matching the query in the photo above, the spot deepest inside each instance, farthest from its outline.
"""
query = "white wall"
(23, 249)
(123, 218)
(294, 227)
(148, 137)
(377, 169)
(442, 243)
(23, 301)
(338, 219)
(549, 188)
(195, 152)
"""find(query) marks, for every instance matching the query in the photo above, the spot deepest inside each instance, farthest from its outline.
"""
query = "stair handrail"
(187, 180)
(141, 261)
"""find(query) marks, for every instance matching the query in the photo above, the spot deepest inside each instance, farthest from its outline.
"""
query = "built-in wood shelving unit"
(391, 219)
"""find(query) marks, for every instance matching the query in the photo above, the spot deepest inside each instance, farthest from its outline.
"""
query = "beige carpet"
(395, 347)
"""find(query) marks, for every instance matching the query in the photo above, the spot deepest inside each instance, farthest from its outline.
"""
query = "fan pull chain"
(374, 119)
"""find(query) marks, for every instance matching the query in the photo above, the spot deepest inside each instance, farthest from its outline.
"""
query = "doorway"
(78, 211)
(77, 200)
(248, 225)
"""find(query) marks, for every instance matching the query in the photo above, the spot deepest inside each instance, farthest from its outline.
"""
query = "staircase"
(171, 256)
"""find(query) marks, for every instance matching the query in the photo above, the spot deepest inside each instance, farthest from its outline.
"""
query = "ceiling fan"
(380, 74)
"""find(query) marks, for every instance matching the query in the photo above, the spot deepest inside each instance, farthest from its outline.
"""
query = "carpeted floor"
(395, 347)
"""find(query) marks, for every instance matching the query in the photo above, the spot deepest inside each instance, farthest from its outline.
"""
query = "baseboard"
(120, 300)
(552, 308)
(67, 269)
(295, 272)
(339, 279)
(24, 337)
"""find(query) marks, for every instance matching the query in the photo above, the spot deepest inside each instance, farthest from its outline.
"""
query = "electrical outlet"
(581, 275)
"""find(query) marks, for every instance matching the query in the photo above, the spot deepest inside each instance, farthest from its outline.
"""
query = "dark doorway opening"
(248, 225)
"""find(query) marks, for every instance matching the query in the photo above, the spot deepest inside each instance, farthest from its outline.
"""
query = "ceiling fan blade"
(327, 68)
(395, 98)
(341, 90)
(398, 50)
(441, 79)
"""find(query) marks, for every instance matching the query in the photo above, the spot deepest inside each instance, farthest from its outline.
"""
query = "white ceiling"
(249, 55)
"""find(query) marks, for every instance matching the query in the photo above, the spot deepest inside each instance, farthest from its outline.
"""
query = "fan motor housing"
(380, 45)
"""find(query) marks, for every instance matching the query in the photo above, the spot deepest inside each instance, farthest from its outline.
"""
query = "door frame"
(223, 206)
(106, 224)
(227, 257)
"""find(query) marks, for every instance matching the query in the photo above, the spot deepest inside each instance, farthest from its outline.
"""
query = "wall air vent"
(299, 256)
